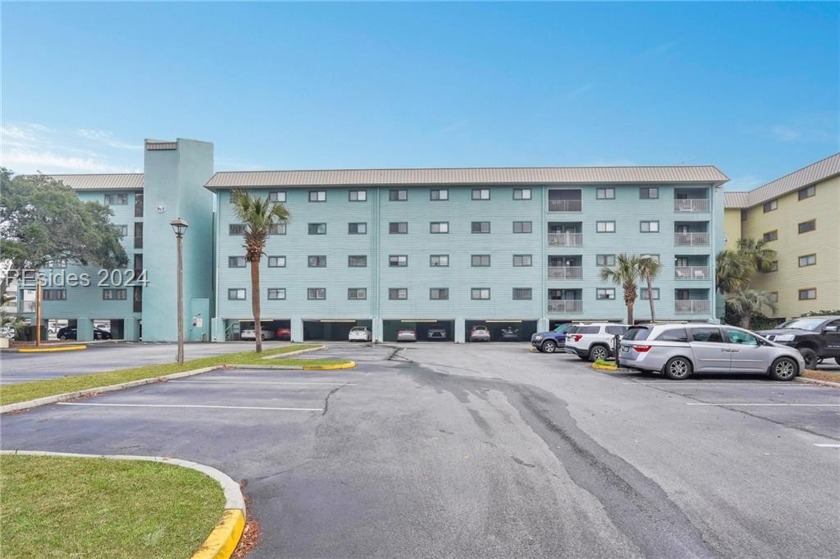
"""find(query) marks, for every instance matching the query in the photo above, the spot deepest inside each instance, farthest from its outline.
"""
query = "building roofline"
(814, 173)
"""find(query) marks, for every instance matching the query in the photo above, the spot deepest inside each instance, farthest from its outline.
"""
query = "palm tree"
(648, 269)
(625, 273)
(259, 216)
(756, 253)
(733, 271)
(748, 302)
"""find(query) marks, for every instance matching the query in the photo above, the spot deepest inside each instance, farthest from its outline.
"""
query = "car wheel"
(677, 368)
(810, 357)
(784, 368)
(549, 346)
(598, 352)
(62, 337)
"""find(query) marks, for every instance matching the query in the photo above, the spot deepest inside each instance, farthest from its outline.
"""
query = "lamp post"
(179, 226)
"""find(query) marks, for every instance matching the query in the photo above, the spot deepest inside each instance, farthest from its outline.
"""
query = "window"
(439, 260)
(675, 335)
(522, 227)
(522, 294)
(806, 226)
(522, 260)
(808, 294)
(648, 193)
(276, 293)
(236, 294)
(439, 293)
(774, 266)
(317, 195)
(439, 227)
(438, 194)
(744, 215)
(480, 226)
(316, 293)
(649, 226)
(357, 261)
(116, 199)
(54, 294)
(122, 230)
(654, 257)
(318, 261)
(277, 196)
(774, 296)
(606, 193)
(807, 192)
(605, 293)
(398, 227)
(236, 229)
(771, 205)
(236, 261)
(138, 204)
(480, 293)
(357, 228)
(706, 335)
(605, 260)
(397, 261)
(771, 236)
(521, 193)
(480, 260)
(356, 293)
(277, 229)
(317, 228)
(645, 294)
(357, 196)
(395, 195)
(397, 293)
(605, 226)
(480, 193)
(807, 260)
(276, 261)
(138, 299)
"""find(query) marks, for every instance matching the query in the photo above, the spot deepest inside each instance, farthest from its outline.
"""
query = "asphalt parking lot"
(443, 450)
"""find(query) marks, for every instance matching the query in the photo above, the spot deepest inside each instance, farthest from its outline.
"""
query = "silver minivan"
(678, 350)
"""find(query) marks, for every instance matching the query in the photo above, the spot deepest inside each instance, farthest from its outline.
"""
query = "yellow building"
(798, 216)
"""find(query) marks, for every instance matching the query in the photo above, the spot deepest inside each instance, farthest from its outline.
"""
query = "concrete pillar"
(460, 334)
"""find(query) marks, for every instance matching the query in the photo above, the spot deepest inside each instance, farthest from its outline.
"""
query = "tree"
(747, 302)
(756, 254)
(260, 216)
(648, 269)
(625, 273)
(732, 271)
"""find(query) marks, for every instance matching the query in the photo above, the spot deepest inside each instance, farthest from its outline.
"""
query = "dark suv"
(816, 337)
(553, 340)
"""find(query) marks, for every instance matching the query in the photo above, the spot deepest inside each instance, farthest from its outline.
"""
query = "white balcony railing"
(564, 205)
(691, 239)
(692, 205)
(565, 306)
(691, 306)
(691, 273)
(565, 272)
(565, 239)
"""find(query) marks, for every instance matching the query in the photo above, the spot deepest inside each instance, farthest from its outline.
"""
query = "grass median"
(100, 508)
(22, 392)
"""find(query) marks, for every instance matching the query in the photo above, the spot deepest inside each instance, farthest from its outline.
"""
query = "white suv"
(594, 340)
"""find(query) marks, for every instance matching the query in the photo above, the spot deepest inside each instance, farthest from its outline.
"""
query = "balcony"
(691, 239)
(692, 205)
(565, 239)
(565, 306)
(564, 205)
(691, 273)
(565, 272)
(692, 306)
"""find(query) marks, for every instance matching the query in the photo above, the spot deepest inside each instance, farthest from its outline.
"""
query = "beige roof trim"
(121, 181)
(468, 176)
(817, 172)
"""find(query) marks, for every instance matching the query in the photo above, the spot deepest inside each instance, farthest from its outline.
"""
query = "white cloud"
(23, 162)
(106, 138)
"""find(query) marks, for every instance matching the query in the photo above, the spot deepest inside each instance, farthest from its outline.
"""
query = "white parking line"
(246, 382)
(828, 445)
(763, 404)
(757, 382)
(188, 406)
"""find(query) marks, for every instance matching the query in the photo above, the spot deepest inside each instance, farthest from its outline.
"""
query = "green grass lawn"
(94, 507)
(22, 392)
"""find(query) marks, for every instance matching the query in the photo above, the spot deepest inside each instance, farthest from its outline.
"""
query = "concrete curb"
(225, 536)
(605, 367)
(51, 349)
(348, 365)
(807, 380)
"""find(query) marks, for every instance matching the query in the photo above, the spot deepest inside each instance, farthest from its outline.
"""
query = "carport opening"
(334, 330)
(426, 329)
(504, 330)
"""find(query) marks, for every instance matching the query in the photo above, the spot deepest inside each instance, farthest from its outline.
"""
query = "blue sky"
(753, 88)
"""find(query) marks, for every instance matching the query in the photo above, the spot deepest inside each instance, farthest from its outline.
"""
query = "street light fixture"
(179, 226)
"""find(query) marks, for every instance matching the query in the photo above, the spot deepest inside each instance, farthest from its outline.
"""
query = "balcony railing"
(692, 205)
(565, 239)
(564, 205)
(565, 272)
(691, 239)
(691, 306)
(691, 273)
(565, 306)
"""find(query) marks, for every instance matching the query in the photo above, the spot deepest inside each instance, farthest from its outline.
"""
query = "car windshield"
(802, 323)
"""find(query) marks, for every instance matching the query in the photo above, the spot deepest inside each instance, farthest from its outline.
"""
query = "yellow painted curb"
(348, 365)
(224, 538)
(605, 367)
(51, 349)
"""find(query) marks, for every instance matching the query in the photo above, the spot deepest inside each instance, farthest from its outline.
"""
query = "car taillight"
(577, 337)
(642, 348)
